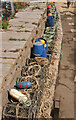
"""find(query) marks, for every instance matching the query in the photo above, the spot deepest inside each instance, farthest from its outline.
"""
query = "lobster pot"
(48, 10)
(50, 21)
(15, 112)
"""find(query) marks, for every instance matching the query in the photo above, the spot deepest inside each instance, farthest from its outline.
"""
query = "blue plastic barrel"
(44, 53)
(38, 49)
(46, 45)
(38, 39)
(50, 21)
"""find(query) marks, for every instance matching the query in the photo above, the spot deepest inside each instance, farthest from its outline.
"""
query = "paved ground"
(65, 80)
(18, 32)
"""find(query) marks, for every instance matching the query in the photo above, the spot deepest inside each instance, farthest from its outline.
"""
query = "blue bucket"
(50, 21)
(38, 49)
(38, 39)
(46, 45)
(44, 54)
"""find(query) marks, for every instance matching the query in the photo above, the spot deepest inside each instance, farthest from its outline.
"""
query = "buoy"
(49, 6)
(50, 2)
(18, 95)
(25, 84)
(50, 14)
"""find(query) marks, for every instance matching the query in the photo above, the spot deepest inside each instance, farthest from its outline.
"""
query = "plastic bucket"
(46, 45)
(38, 39)
(38, 49)
(44, 54)
(50, 21)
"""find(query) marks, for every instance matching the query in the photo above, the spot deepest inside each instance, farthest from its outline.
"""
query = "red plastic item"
(49, 6)
(50, 14)
(16, 10)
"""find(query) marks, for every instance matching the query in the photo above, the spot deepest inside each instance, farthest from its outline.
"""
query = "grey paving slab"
(16, 43)
(1, 80)
(0, 60)
(25, 15)
(15, 22)
(7, 61)
(5, 69)
(13, 45)
(21, 35)
(7, 35)
(9, 55)
(31, 25)
(24, 21)
(26, 29)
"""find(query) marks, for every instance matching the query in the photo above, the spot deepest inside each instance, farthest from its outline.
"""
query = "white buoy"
(17, 95)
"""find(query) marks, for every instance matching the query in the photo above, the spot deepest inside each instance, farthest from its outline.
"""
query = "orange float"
(50, 2)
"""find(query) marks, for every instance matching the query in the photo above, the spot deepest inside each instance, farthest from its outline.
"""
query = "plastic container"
(37, 40)
(45, 45)
(25, 84)
(49, 6)
(44, 53)
(50, 14)
(38, 49)
(17, 95)
(50, 21)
